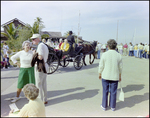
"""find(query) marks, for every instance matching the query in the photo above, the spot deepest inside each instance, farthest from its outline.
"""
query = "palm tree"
(38, 25)
(44, 36)
(11, 31)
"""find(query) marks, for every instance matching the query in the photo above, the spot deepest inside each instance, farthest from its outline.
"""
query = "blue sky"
(98, 19)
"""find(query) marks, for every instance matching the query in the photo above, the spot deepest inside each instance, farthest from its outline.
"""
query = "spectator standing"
(140, 50)
(118, 48)
(138, 54)
(125, 49)
(104, 47)
(40, 77)
(131, 49)
(26, 73)
(110, 68)
(135, 50)
(145, 50)
(5, 47)
(121, 49)
(148, 51)
(98, 50)
(35, 106)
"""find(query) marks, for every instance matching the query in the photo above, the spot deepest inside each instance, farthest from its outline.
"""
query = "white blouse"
(25, 58)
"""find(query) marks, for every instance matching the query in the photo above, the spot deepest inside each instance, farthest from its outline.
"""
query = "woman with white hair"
(35, 107)
(50, 43)
(44, 40)
(26, 73)
(65, 47)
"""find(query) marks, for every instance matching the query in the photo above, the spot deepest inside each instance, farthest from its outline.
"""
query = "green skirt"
(26, 76)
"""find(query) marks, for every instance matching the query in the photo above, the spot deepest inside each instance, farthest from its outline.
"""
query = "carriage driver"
(70, 38)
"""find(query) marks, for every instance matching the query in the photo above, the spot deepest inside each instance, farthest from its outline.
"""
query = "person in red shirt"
(60, 42)
(125, 47)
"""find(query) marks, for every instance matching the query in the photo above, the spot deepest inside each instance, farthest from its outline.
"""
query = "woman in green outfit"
(26, 73)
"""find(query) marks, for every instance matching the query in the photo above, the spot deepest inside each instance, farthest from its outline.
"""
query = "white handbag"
(120, 93)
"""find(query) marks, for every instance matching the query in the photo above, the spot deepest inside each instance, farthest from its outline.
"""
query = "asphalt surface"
(77, 93)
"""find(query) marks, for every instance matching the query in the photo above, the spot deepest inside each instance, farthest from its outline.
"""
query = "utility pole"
(117, 32)
(61, 20)
(78, 27)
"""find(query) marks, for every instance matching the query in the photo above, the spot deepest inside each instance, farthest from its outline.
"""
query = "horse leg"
(93, 58)
(90, 58)
(84, 60)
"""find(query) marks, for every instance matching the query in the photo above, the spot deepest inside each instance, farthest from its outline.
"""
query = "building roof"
(52, 34)
(7, 23)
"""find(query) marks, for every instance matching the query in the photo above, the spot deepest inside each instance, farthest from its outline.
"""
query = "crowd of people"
(5, 56)
(32, 80)
(138, 51)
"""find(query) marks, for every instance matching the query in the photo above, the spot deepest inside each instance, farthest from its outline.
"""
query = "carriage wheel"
(78, 62)
(64, 63)
(53, 63)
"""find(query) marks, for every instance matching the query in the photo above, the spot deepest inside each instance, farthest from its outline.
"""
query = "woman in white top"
(121, 49)
(104, 47)
(34, 108)
(5, 47)
(131, 49)
(26, 73)
(50, 43)
(44, 40)
(110, 68)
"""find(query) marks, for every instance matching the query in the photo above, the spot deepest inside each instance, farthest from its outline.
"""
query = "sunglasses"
(33, 39)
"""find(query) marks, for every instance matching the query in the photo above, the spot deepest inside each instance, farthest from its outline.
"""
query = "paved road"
(78, 92)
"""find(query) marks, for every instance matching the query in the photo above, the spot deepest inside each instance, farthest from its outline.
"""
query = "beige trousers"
(41, 83)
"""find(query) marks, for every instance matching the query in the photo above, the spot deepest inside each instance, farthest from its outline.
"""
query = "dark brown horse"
(89, 49)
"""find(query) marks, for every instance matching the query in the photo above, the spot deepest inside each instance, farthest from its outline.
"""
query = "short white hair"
(60, 40)
(23, 44)
(43, 40)
(49, 40)
(65, 40)
(31, 91)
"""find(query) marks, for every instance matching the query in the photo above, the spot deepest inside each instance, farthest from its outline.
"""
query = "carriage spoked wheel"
(53, 63)
(78, 62)
(64, 62)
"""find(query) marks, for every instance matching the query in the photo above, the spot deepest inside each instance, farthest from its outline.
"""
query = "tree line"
(16, 35)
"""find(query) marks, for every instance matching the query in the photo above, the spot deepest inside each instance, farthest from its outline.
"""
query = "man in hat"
(70, 38)
(40, 77)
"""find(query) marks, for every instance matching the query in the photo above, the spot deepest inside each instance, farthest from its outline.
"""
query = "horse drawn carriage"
(55, 58)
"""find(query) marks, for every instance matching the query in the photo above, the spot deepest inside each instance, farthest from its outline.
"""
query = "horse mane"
(94, 43)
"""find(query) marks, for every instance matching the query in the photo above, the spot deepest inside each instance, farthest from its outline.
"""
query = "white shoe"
(15, 99)
(4, 68)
